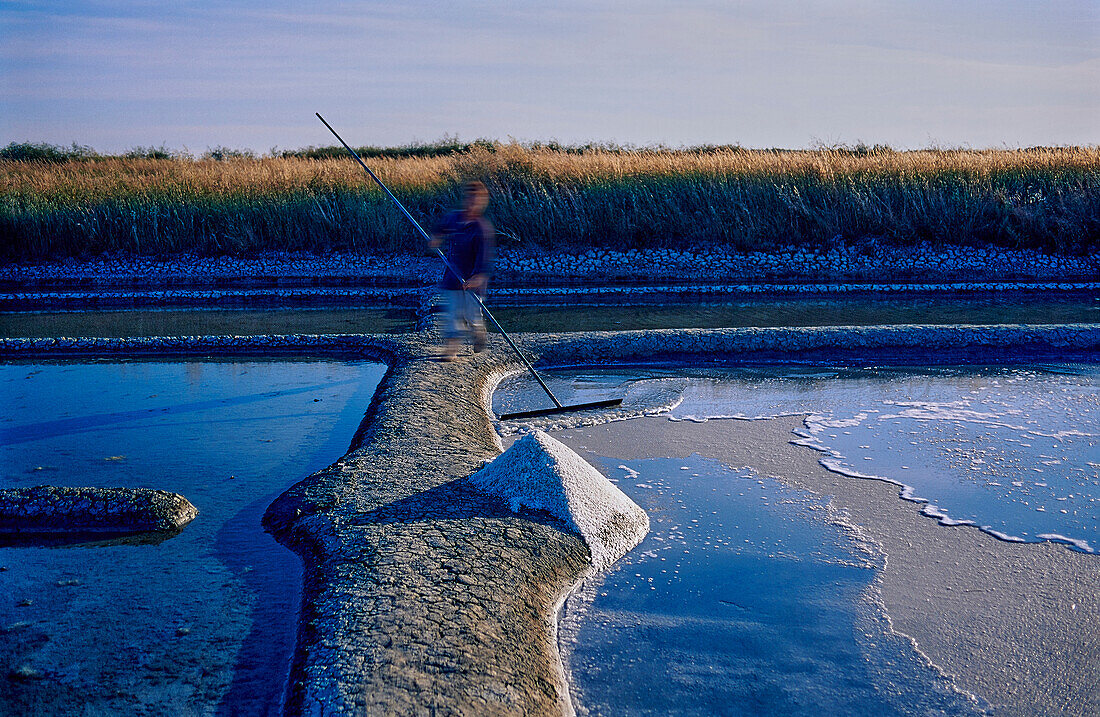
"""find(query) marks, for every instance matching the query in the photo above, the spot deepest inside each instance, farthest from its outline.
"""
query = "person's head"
(475, 197)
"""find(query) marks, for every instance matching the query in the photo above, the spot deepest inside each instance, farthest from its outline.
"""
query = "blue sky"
(197, 74)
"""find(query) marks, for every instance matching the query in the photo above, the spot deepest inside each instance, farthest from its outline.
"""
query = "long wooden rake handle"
(448, 264)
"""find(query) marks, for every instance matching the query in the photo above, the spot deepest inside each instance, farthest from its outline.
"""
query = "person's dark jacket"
(470, 248)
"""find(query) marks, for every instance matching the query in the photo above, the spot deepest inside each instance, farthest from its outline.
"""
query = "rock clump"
(53, 510)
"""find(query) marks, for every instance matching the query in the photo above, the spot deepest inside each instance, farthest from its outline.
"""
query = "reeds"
(552, 198)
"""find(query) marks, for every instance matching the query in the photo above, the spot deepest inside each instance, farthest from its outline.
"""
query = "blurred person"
(471, 251)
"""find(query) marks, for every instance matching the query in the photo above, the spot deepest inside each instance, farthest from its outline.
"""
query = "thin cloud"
(699, 71)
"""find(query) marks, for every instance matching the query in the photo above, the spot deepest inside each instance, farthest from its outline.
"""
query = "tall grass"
(548, 198)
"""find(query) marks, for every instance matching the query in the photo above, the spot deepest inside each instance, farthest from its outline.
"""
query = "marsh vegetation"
(56, 202)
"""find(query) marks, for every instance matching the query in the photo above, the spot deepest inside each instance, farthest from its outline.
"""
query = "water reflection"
(746, 598)
(764, 312)
(201, 622)
(206, 322)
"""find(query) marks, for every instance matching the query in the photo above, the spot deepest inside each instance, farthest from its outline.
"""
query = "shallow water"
(201, 623)
(765, 312)
(539, 315)
(746, 598)
(206, 322)
(1014, 450)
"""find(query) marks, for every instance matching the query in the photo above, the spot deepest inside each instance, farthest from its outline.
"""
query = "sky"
(199, 74)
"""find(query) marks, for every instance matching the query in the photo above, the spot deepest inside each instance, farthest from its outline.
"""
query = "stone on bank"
(53, 510)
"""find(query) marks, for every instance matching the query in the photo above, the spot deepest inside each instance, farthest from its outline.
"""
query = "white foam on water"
(835, 463)
(1071, 433)
(629, 472)
(957, 411)
(1003, 536)
(818, 422)
(693, 418)
(1082, 545)
(908, 494)
(808, 440)
(933, 511)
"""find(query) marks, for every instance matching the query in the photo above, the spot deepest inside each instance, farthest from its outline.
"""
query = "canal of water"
(580, 314)
(200, 623)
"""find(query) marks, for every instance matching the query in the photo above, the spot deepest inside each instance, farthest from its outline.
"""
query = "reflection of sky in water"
(745, 598)
(1014, 450)
(203, 618)
(860, 310)
(207, 322)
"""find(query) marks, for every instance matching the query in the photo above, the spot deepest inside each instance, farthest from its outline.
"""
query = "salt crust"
(539, 472)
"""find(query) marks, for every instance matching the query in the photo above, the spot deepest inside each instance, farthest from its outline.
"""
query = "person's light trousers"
(463, 315)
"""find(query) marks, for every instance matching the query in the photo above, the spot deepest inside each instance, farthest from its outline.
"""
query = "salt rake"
(558, 406)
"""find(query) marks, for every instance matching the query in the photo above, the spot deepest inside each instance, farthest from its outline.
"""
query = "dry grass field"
(552, 198)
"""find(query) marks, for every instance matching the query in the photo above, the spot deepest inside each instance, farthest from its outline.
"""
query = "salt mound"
(542, 473)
